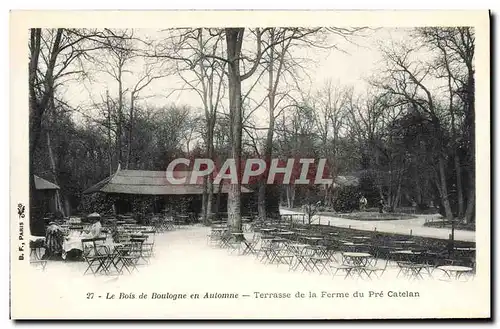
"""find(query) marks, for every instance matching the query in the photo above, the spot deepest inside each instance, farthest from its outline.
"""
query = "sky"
(350, 64)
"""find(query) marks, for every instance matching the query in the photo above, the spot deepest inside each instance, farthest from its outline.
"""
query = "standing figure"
(362, 203)
(381, 206)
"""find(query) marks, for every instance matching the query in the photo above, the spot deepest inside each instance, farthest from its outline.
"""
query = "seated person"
(72, 246)
(96, 228)
(54, 240)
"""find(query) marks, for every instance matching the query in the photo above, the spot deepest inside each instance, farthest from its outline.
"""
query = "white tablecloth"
(36, 238)
(72, 243)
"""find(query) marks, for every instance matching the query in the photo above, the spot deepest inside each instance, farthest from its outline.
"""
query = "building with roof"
(46, 194)
(45, 185)
(127, 186)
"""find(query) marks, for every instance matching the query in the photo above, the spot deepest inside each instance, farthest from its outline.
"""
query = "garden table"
(411, 270)
(313, 240)
(297, 247)
(37, 246)
(464, 249)
(356, 258)
(360, 238)
(455, 271)
(407, 255)
(404, 242)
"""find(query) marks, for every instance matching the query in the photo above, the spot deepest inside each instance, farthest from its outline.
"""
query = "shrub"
(347, 199)
(422, 207)
(310, 210)
(95, 202)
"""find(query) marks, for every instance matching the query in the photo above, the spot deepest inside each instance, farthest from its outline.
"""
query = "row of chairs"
(103, 256)
(332, 255)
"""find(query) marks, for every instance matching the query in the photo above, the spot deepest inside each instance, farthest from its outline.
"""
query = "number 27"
(90, 295)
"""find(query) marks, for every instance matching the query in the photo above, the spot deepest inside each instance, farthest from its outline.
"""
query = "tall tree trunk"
(471, 134)
(471, 197)
(456, 160)
(204, 201)
(119, 131)
(59, 204)
(444, 189)
(130, 130)
(268, 149)
(208, 184)
(110, 152)
(397, 198)
(37, 106)
(261, 200)
(218, 199)
(471, 204)
(460, 196)
(210, 198)
(290, 195)
(234, 39)
(67, 207)
(419, 191)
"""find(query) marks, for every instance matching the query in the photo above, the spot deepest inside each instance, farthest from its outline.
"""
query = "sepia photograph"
(250, 165)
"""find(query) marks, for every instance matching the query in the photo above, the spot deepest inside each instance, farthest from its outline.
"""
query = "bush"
(422, 207)
(347, 199)
(96, 202)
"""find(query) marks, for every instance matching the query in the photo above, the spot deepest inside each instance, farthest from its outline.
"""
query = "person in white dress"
(96, 229)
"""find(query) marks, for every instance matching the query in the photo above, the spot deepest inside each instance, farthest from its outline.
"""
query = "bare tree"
(284, 63)
(150, 73)
(236, 61)
(55, 57)
(114, 62)
(454, 62)
(330, 104)
(198, 57)
(407, 81)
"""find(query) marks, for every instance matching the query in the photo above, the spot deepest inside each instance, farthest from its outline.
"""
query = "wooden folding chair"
(283, 255)
(137, 250)
(39, 263)
(149, 244)
(126, 258)
(377, 270)
(95, 260)
(319, 259)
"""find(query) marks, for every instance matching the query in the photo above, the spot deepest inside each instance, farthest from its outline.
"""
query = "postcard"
(250, 165)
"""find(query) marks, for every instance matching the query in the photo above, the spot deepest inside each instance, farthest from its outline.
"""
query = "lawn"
(370, 216)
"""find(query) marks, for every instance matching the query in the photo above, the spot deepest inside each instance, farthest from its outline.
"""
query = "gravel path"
(415, 226)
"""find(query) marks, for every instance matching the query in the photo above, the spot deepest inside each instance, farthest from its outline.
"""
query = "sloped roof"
(43, 184)
(150, 183)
